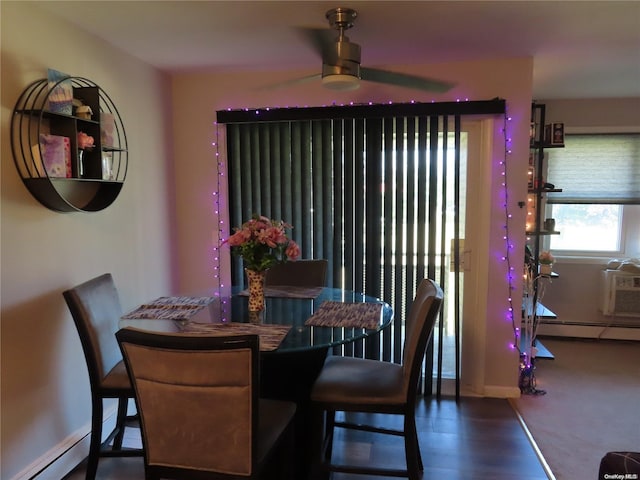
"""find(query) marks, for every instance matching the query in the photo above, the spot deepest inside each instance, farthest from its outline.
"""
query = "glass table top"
(287, 307)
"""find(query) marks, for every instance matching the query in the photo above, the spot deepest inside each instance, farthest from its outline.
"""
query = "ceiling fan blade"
(321, 39)
(404, 80)
(294, 81)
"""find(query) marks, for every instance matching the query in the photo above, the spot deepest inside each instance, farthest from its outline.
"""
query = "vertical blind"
(377, 195)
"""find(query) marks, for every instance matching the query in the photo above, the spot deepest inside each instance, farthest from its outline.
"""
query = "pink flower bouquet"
(85, 141)
(263, 243)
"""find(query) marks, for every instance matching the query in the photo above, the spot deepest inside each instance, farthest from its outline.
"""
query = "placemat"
(170, 308)
(346, 315)
(287, 291)
(270, 335)
(180, 302)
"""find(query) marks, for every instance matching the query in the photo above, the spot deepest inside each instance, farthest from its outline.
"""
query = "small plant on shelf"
(546, 263)
(546, 258)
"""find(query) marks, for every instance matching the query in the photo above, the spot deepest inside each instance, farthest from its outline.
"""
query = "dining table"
(298, 328)
(295, 319)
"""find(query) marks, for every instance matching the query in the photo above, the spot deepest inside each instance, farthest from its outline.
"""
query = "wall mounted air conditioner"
(620, 293)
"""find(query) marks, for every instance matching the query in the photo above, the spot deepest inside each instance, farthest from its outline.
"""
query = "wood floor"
(476, 439)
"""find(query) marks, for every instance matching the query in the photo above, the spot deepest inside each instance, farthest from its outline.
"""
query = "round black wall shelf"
(49, 128)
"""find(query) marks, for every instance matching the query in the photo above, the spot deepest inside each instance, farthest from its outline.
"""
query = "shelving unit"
(95, 180)
(538, 184)
(533, 311)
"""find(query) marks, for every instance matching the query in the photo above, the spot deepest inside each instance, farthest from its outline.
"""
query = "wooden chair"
(95, 308)
(349, 384)
(300, 273)
(200, 412)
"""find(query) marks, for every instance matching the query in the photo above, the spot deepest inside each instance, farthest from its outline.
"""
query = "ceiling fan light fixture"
(341, 82)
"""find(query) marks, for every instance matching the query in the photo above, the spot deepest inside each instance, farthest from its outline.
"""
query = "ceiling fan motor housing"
(342, 59)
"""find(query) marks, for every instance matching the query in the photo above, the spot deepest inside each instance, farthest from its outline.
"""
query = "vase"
(256, 289)
(545, 268)
(80, 163)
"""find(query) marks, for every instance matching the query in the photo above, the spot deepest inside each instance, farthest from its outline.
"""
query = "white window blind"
(603, 168)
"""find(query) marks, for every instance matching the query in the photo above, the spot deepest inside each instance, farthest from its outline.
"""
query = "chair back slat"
(419, 326)
(95, 308)
(302, 273)
(196, 398)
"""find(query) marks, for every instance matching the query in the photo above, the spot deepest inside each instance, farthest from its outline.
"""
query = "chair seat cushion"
(117, 378)
(357, 380)
(619, 464)
(275, 416)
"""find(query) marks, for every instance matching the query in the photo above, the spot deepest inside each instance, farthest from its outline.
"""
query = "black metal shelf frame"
(86, 190)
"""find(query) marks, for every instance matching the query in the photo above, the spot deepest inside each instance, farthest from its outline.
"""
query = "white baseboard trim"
(66, 459)
(588, 331)
(449, 389)
(66, 455)
(496, 391)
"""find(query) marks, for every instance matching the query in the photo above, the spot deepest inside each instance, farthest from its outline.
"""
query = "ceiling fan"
(341, 69)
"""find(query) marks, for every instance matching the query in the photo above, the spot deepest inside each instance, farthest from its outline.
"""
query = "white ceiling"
(581, 49)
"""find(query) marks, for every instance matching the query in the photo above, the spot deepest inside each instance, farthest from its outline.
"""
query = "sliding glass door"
(383, 199)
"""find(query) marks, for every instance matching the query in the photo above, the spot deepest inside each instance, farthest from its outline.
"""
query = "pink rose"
(84, 141)
(293, 250)
(239, 238)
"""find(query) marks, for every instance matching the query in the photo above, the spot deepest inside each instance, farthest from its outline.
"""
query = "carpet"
(591, 405)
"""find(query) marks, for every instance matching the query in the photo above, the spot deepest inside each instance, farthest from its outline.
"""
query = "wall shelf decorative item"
(73, 161)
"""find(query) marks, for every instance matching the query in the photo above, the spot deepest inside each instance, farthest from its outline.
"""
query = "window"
(597, 210)
(594, 228)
